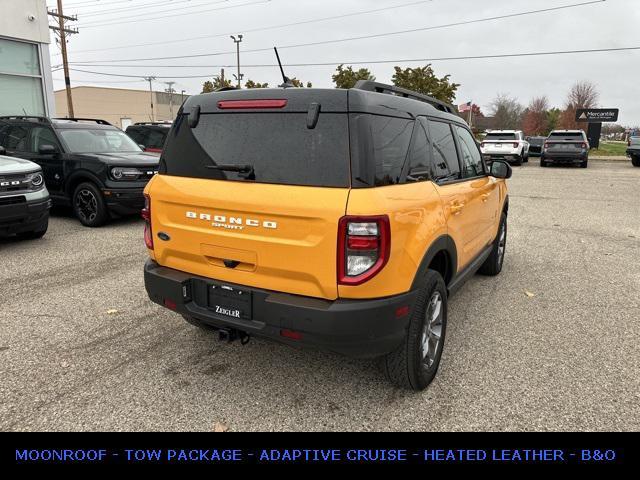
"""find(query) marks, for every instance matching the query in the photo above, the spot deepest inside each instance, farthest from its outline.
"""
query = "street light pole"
(238, 41)
(150, 80)
(170, 92)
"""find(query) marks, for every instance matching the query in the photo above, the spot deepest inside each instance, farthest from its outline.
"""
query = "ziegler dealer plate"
(230, 302)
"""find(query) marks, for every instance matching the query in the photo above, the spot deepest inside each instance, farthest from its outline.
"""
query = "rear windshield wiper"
(244, 171)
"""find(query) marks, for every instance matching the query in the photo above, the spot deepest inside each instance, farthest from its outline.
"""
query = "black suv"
(151, 135)
(88, 164)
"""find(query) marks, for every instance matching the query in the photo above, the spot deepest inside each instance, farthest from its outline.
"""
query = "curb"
(610, 159)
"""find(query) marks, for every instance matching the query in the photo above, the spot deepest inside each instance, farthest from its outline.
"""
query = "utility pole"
(170, 91)
(62, 32)
(239, 76)
(150, 80)
(222, 77)
(182, 96)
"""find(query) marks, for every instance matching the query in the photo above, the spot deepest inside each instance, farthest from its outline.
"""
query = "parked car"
(24, 199)
(508, 145)
(535, 145)
(150, 136)
(88, 164)
(633, 152)
(566, 147)
(283, 214)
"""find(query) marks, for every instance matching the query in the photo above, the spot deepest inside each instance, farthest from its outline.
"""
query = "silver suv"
(24, 199)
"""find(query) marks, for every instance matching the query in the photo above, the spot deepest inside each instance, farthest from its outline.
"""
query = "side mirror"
(500, 169)
(142, 147)
(47, 150)
(3, 151)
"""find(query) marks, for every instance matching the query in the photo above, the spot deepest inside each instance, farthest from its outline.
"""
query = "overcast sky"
(603, 24)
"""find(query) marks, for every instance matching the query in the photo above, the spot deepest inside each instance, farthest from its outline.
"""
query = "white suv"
(508, 145)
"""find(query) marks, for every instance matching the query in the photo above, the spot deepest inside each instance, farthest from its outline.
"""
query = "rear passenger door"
(52, 164)
(481, 190)
(457, 196)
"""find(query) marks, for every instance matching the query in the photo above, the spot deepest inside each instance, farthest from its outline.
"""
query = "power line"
(144, 6)
(95, 3)
(147, 19)
(363, 37)
(261, 29)
(373, 62)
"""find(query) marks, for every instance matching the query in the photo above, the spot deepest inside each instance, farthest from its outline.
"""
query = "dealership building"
(120, 106)
(26, 86)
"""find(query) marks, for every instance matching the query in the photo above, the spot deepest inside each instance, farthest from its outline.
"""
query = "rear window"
(567, 136)
(278, 147)
(501, 136)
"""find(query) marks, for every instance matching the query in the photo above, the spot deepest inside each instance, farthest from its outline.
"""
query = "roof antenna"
(287, 81)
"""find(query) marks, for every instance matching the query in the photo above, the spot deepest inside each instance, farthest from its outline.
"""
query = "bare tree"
(507, 112)
(582, 95)
(535, 121)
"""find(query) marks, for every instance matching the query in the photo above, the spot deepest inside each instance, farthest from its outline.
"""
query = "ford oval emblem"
(164, 237)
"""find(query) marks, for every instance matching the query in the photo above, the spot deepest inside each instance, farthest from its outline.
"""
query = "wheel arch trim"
(445, 244)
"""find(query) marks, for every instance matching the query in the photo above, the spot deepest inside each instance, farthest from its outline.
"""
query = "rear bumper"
(124, 201)
(507, 157)
(356, 328)
(23, 217)
(535, 150)
(550, 157)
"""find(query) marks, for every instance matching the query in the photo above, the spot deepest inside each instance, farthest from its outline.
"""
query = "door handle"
(456, 208)
(485, 197)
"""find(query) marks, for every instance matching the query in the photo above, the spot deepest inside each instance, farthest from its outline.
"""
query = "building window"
(21, 91)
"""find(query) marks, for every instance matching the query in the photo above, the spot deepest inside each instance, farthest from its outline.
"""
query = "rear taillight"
(364, 244)
(583, 145)
(546, 146)
(146, 215)
(516, 145)
(482, 145)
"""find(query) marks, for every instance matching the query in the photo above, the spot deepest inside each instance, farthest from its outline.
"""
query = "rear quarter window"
(569, 137)
(501, 136)
(279, 147)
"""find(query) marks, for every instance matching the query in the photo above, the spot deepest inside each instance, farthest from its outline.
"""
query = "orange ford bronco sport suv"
(336, 219)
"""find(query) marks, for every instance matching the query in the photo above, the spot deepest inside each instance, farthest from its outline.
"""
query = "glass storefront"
(21, 82)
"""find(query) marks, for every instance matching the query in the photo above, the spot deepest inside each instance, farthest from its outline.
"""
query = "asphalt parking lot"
(551, 344)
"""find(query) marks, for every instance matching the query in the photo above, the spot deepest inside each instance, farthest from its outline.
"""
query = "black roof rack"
(25, 117)
(96, 120)
(371, 86)
(154, 123)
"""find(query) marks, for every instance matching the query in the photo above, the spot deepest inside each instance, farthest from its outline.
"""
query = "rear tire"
(635, 161)
(493, 264)
(519, 161)
(543, 163)
(89, 205)
(584, 164)
(414, 365)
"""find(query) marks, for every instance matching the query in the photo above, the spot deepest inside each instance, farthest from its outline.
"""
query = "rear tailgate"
(499, 145)
(284, 239)
(274, 226)
(565, 147)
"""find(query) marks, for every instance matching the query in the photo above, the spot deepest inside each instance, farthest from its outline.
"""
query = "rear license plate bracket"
(230, 302)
